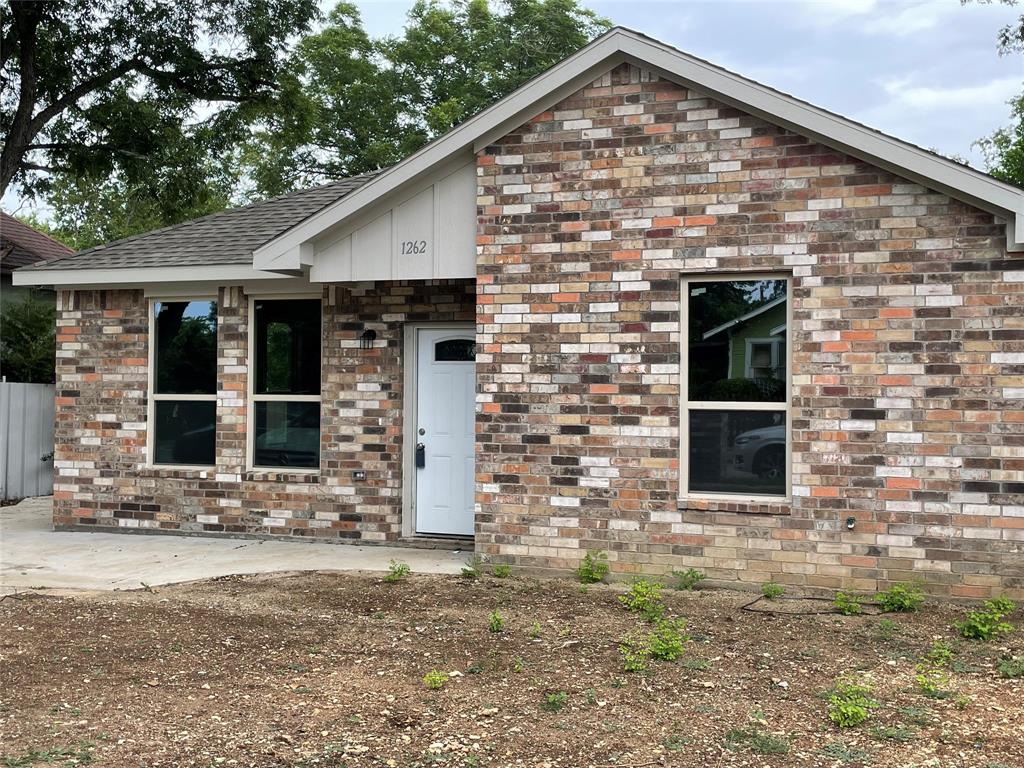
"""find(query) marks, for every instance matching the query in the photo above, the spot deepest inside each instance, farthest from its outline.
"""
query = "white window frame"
(775, 345)
(252, 397)
(153, 397)
(686, 406)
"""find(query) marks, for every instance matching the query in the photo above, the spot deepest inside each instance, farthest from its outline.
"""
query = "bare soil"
(327, 670)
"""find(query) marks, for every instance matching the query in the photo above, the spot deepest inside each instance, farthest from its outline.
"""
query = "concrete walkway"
(34, 556)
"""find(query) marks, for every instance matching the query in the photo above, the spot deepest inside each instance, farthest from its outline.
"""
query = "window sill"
(746, 506)
(179, 472)
(310, 477)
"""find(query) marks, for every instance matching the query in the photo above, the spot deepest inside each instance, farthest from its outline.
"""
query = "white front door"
(445, 396)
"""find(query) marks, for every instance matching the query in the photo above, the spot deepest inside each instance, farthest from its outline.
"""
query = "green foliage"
(397, 571)
(501, 571)
(644, 597)
(688, 579)
(848, 605)
(845, 753)
(771, 590)
(635, 653)
(668, 639)
(554, 702)
(901, 598)
(592, 568)
(435, 679)
(887, 629)
(931, 681)
(495, 621)
(535, 630)
(850, 703)
(473, 569)
(939, 653)
(987, 623)
(757, 740)
(900, 733)
(348, 103)
(27, 339)
(1013, 667)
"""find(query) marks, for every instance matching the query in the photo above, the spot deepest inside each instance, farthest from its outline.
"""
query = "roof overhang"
(105, 278)
(292, 249)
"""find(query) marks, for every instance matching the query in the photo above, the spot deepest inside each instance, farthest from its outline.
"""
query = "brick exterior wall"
(100, 461)
(908, 397)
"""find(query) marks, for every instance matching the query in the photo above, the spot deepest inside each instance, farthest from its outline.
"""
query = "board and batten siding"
(429, 234)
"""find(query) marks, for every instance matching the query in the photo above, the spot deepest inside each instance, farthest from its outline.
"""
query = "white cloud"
(926, 97)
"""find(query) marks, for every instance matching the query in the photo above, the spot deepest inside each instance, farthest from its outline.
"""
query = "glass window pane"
(185, 347)
(737, 344)
(455, 351)
(184, 431)
(287, 434)
(287, 347)
(738, 452)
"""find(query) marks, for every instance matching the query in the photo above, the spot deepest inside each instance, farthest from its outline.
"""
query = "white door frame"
(410, 416)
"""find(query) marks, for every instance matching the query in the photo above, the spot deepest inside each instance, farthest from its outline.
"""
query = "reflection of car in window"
(296, 443)
(761, 451)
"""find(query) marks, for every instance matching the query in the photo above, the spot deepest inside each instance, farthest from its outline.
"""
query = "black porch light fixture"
(367, 338)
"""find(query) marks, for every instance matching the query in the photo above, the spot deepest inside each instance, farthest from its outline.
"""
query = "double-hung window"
(735, 387)
(183, 393)
(284, 414)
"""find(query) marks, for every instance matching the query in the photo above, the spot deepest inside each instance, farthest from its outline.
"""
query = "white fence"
(26, 439)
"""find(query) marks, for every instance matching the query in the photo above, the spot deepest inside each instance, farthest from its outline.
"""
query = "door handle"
(421, 455)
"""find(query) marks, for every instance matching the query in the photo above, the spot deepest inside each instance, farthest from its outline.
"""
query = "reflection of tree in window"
(279, 357)
(186, 347)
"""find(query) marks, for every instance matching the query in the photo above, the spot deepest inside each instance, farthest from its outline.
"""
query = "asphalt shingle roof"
(228, 237)
(21, 245)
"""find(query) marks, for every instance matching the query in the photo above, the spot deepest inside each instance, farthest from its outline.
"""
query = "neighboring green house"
(757, 342)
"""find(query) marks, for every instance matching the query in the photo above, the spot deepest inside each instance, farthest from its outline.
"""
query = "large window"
(285, 404)
(183, 402)
(735, 415)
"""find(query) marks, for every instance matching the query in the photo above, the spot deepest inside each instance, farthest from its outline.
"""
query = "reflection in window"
(184, 396)
(736, 386)
(455, 351)
(286, 386)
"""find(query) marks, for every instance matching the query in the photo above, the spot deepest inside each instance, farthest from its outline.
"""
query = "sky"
(926, 71)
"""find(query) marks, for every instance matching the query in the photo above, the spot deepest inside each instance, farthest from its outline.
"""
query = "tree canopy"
(1004, 149)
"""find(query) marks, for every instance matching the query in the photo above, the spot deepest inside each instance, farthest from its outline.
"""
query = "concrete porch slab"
(33, 556)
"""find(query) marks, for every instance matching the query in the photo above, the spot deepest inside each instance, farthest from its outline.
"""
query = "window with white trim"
(285, 395)
(183, 400)
(735, 386)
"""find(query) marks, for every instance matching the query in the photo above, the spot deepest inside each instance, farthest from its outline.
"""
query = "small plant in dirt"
(473, 569)
(987, 623)
(675, 743)
(772, 590)
(435, 679)
(900, 733)
(1012, 668)
(635, 653)
(501, 571)
(517, 665)
(850, 703)
(846, 604)
(554, 702)
(668, 640)
(688, 579)
(495, 622)
(939, 653)
(845, 753)
(535, 631)
(756, 740)
(397, 571)
(697, 664)
(592, 568)
(901, 598)
(644, 597)
(931, 681)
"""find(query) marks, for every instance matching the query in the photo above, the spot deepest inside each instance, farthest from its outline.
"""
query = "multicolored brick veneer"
(100, 463)
(908, 354)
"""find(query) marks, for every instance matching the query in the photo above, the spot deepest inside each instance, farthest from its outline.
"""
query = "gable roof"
(748, 316)
(21, 245)
(223, 238)
(624, 45)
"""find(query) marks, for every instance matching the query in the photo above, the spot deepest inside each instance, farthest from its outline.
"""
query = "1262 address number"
(410, 247)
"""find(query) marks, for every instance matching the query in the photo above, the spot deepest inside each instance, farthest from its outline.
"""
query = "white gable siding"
(428, 234)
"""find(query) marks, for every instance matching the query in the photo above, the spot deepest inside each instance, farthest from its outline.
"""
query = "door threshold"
(438, 541)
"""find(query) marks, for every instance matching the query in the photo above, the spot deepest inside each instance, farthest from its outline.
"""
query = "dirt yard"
(327, 670)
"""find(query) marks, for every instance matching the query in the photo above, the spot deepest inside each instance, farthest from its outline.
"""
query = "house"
(521, 335)
(20, 245)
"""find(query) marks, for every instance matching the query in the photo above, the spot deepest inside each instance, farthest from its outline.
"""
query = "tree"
(348, 104)
(27, 340)
(1004, 149)
(90, 88)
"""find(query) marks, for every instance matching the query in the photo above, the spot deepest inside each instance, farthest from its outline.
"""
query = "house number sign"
(413, 247)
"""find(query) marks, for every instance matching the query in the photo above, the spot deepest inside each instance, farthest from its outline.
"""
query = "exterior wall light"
(367, 338)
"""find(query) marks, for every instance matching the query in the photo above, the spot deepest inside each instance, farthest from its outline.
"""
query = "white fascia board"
(106, 278)
(618, 45)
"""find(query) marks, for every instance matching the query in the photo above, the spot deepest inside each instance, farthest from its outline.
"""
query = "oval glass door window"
(455, 351)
